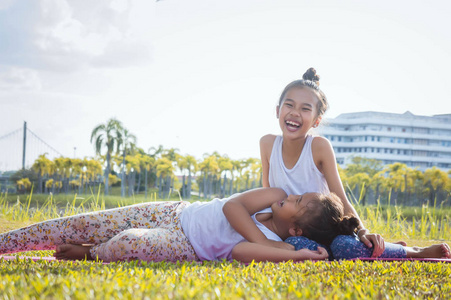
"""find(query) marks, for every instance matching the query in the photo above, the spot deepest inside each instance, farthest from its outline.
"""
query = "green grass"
(26, 279)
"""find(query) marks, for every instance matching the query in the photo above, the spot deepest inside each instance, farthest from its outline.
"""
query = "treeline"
(119, 161)
(214, 175)
(368, 180)
(365, 180)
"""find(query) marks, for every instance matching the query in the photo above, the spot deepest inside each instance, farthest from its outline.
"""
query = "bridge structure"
(21, 147)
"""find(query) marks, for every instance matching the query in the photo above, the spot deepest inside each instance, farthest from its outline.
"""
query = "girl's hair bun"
(311, 75)
(348, 225)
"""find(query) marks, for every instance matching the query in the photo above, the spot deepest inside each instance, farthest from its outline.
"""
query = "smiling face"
(297, 112)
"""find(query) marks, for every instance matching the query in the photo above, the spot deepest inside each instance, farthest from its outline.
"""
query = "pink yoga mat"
(446, 260)
(34, 258)
(432, 260)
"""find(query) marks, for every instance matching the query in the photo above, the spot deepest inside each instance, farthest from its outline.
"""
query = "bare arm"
(246, 252)
(238, 211)
(266, 144)
(324, 158)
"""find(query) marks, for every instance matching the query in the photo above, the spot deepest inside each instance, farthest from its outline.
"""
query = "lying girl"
(172, 231)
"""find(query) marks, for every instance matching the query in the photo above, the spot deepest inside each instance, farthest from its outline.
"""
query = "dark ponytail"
(347, 225)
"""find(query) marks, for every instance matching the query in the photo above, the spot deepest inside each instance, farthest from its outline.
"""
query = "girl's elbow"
(240, 256)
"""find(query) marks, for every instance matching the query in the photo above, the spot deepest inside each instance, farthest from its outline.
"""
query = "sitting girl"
(172, 231)
(300, 162)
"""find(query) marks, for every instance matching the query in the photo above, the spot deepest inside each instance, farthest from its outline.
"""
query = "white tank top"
(304, 177)
(209, 232)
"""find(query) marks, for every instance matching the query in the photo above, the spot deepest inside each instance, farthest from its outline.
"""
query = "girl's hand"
(319, 254)
(372, 240)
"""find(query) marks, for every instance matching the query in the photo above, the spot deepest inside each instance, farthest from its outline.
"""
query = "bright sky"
(205, 75)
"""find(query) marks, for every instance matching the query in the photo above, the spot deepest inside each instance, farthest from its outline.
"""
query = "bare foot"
(72, 252)
(434, 251)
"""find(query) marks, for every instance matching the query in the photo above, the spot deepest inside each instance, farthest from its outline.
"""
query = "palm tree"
(60, 172)
(256, 171)
(148, 163)
(183, 165)
(140, 159)
(156, 152)
(107, 136)
(188, 163)
(165, 169)
(132, 166)
(237, 166)
(94, 169)
(225, 165)
(209, 167)
(171, 154)
(77, 167)
(41, 166)
(127, 142)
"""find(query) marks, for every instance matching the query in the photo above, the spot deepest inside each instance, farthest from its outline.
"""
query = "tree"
(60, 169)
(126, 142)
(148, 163)
(165, 169)
(132, 166)
(363, 165)
(397, 177)
(208, 167)
(359, 184)
(225, 165)
(237, 168)
(188, 163)
(42, 166)
(93, 170)
(436, 180)
(107, 136)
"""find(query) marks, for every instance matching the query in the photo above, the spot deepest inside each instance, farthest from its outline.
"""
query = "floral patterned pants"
(149, 231)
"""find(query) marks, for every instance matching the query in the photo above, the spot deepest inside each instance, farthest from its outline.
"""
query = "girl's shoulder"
(267, 141)
(320, 143)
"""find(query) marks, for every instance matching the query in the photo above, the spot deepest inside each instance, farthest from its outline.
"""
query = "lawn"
(27, 279)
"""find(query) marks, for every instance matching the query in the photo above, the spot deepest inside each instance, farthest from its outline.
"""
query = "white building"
(417, 141)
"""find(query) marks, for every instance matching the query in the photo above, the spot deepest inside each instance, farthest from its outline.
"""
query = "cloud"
(65, 36)
(14, 78)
